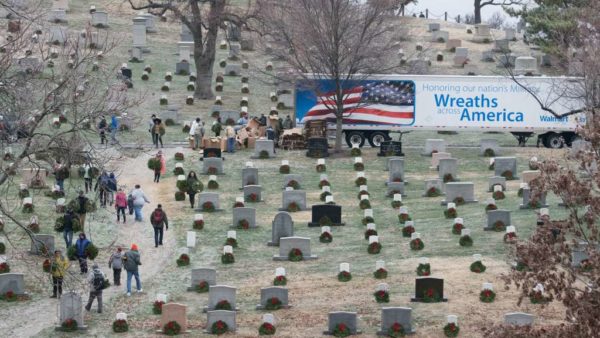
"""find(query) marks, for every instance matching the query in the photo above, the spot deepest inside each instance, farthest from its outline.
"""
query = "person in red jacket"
(121, 204)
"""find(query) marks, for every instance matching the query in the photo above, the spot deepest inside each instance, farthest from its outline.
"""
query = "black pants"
(157, 176)
(57, 286)
(120, 210)
(158, 236)
(192, 198)
(117, 276)
(157, 138)
(103, 137)
(88, 185)
(95, 294)
(83, 265)
(103, 197)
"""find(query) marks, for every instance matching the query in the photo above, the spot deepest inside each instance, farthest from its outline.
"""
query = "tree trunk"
(204, 73)
(477, 13)
(338, 134)
(204, 53)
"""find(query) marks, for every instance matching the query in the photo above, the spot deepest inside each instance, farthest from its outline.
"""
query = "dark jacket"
(112, 182)
(68, 221)
(163, 222)
(131, 260)
(80, 245)
(82, 202)
(190, 183)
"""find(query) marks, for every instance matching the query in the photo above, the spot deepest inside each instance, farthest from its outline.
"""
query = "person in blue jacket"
(114, 126)
(81, 244)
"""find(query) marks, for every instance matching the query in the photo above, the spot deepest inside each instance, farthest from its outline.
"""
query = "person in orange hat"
(131, 261)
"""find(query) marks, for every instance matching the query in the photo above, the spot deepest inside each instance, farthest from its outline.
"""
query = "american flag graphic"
(380, 102)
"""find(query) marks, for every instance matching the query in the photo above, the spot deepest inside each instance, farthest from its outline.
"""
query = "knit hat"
(134, 247)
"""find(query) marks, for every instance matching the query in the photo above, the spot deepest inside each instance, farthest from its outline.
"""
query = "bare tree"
(496, 21)
(343, 41)
(479, 4)
(203, 18)
(564, 254)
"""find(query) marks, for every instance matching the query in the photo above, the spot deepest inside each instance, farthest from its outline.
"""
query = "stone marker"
(282, 226)
(341, 317)
(203, 274)
(217, 293)
(387, 163)
(432, 145)
(396, 170)
(504, 164)
(212, 162)
(42, 244)
(392, 315)
(244, 213)
(494, 216)
(249, 176)
(496, 180)
(264, 145)
(333, 212)
(228, 317)
(286, 244)
(436, 157)
(139, 32)
(100, 19)
(278, 292)
(174, 312)
(466, 190)
(529, 175)
(448, 166)
(14, 282)
(253, 189)
(434, 26)
(433, 183)
(423, 284)
(291, 177)
(396, 188)
(490, 144)
(482, 33)
(440, 36)
(519, 319)
(295, 196)
(501, 46)
(209, 197)
(526, 65)
(525, 204)
(71, 307)
(233, 70)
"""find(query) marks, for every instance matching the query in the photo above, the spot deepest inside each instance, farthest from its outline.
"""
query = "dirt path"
(30, 318)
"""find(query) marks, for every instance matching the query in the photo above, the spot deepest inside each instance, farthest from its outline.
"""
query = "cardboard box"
(251, 142)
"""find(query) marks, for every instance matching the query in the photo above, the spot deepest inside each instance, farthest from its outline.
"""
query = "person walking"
(287, 123)
(81, 208)
(120, 204)
(131, 261)
(81, 244)
(162, 169)
(116, 263)
(192, 182)
(230, 134)
(58, 269)
(68, 227)
(87, 177)
(60, 173)
(102, 188)
(159, 221)
(158, 130)
(139, 199)
(96, 281)
(217, 127)
(114, 126)
(151, 127)
(193, 129)
(102, 127)
(112, 187)
(130, 204)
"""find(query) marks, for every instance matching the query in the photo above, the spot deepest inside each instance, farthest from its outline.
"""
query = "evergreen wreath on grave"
(198, 224)
(508, 175)
(374, 248)
(219, 327)
(323, 195)
(396, 204)
(34, 227)
(417, 244)
(448, 178)
(120, 325)
(201, 287)
(182, 185)
(433, 192)
(424, 270)
(27, 208)
(179, 196)
(208, 206)
(295, 255)
(323, 183)
(477, 267)
(223, 305)
(273, 303)
(364, 204)
(284, 169)
(498, 195)
(341, 330)
(510, 237)
(320, 168)
(213, 185)
(211, 171)
(492, 166)
(450, 213)
(279, 281)
(294, 184)
(59, 226)
(520, 192)
(489, 152)
(382, 296)
(355, 152)
(154, 164)
(344, 276)
(266, 329)
(23, 193)
(534, 204)
(499, 226)
(459, 200)
(404, 217)
(183, 260)
(407, 230)
(394, 192)
(69, 325)
(370, 232)
(431, 296)
(263, 154)
(457, 228)
(585, 265)
(487, 296)
(325, 221)
(227, 258)
(537, 297)
(491, 206)
(232, 242)
(359, 166)
(396, 331)
(380, 273)
(367, 220)
(47, 266)
(325, 237)
(238, 205)
(9, 296)
(451, 330)
(172, 328)
(465, 241)
(178, 171)
(157, 307)
(360, 181)
(362, 192)
(243, 224)
(293, 207)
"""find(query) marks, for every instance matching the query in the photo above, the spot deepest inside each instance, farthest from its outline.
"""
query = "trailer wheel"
(355, 138)
(554, 141)
(376, 138)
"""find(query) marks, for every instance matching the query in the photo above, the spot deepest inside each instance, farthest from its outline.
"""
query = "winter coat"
(193, 128)
(121, 200)
(230, 132)
(139, 198)
(80, 245)
(190, 183)
(164, 222)
(102, 182)
(131, 260)
(163, 165)
(112, 182)
(114, 123)
(68, 222)
(59, 267)
(116, 261)
(91, 277)
(82, 202)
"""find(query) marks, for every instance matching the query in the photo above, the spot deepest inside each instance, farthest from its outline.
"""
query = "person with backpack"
(139, 199)
(68, 227)
(102, 188)
(131, 261)
(192, 181)
(96, 281)
(58, 269)
(82, 244)
(102, 127)
(121, 204)
(159, 220)
(116, 263)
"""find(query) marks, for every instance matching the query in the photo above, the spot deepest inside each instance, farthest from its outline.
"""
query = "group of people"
(112, 128)
(157, 130)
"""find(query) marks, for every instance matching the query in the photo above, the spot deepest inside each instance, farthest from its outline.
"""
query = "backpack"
(98, 281)
(157, 217)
